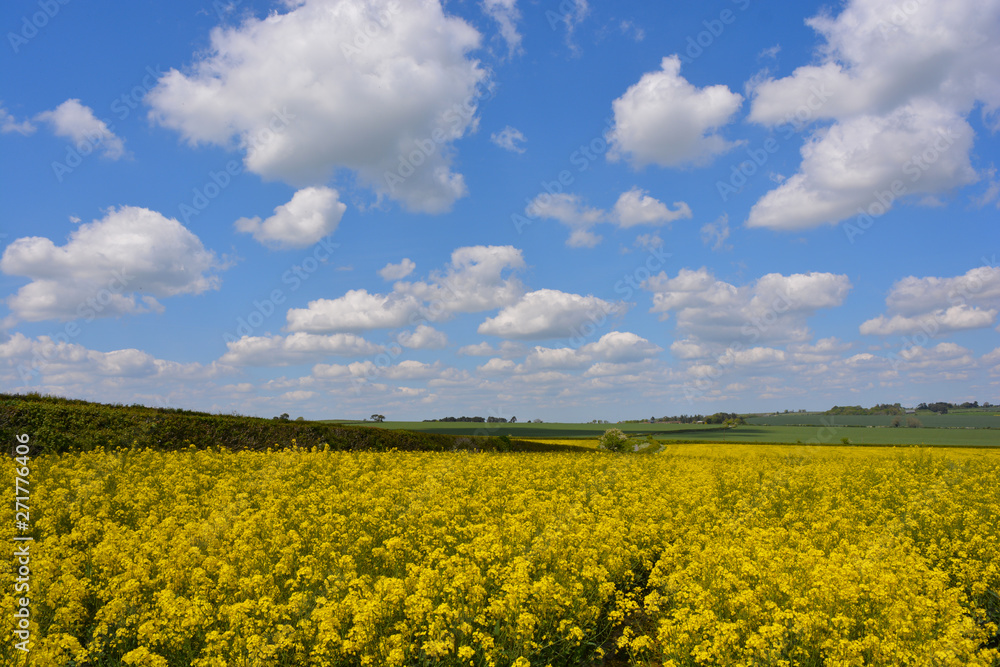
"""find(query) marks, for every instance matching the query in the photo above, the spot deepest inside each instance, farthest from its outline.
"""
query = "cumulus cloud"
(548, 313)
(477, 278)
(863, 165)
(896, 83)
(399, 271)
(773, 309)
(357, 310)
(570, 211)
(312, 214)
(665, 120)
(48, 361)
(314, 89)
(616, 347)
(634, 207)
(507, 349)
(117, 265)
(509, 139)
(363, 370)
(77, 122)
(297, 348)
(423, 338)
(939, 305)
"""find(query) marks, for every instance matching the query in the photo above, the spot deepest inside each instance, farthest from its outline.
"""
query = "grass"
(585, 435)
(547, 431)
(928, 419)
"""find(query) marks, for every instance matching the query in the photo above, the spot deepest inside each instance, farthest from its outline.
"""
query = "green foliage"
(614, 440)
(880, 409)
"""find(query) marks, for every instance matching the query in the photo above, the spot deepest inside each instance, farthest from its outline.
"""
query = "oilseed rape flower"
(698, 555)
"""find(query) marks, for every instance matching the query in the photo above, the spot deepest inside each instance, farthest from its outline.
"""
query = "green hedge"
(59, 425)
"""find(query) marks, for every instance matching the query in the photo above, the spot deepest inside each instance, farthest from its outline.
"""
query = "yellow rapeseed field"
(698, 555)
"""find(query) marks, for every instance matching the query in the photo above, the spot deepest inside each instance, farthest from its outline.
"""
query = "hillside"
(59, 425)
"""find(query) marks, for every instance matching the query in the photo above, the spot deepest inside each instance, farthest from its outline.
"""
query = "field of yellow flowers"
(698, 555)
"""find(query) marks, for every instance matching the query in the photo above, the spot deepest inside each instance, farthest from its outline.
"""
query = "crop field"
(553, 430)
(978, 419)
(697, 555)
(831, 433)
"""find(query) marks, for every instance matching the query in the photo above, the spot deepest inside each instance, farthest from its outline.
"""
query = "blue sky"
(566, 211)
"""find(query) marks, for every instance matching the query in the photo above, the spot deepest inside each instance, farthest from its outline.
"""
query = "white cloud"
(938, 305)
(113, 266)
(863, 165)
(49, 362)
(298, 348)
(570, 211)
(474, 280)
(881, 67)
(774, 309)
(548, 313)
(497, 366)
(616, 347)
(423, 338)
(570, 14)
(636, 207)
(10, 124)
(399, 271)
(665, 120)
(312, 214)
(314, 89)
(686, 349)
(506, 14)
(714, 234)
(508, 349)
(357, 310)
(509, 139)
(404, 370)
(77, 122)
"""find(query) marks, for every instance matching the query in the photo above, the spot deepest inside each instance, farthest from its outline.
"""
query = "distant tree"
(513, 420)
(614, 440)
(897, 421)
(378, 418)
(913, 422)
(300, 419)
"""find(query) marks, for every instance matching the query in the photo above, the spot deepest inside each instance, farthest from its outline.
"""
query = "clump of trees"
(880, 409)
(614, 440)
(486, 420)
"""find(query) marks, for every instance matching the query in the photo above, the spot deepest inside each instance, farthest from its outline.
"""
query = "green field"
(553, 430)
(820, 434)
(930, 420)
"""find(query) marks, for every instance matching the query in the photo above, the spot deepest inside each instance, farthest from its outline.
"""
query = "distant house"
(911, 411)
